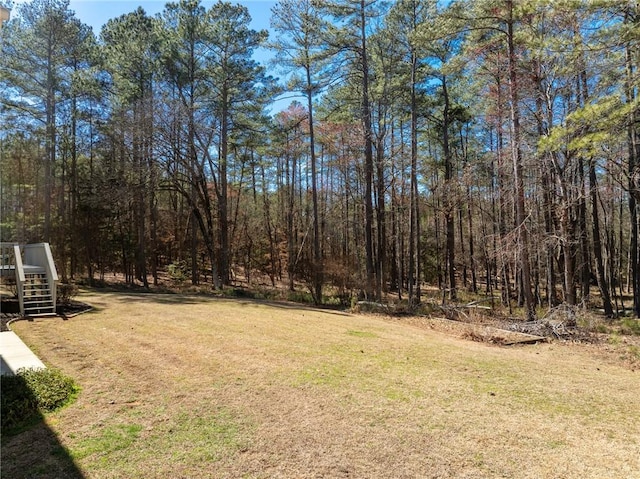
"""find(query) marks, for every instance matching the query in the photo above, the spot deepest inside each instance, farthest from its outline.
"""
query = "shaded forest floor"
(199, 386)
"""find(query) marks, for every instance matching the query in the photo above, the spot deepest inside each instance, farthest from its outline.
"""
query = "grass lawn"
(197, 387)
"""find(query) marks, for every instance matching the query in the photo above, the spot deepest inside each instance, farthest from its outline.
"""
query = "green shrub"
(66, 292)
(17, 403)
(33, 391)
(178, 271)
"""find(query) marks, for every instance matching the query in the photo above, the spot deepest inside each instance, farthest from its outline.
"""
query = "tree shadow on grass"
(37, 453)
(162, 298)
(239, 297)
(291, 306)
(30, 449)
(186, 299)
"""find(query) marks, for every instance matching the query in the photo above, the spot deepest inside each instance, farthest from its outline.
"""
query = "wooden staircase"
(35, 275)
(37, 295)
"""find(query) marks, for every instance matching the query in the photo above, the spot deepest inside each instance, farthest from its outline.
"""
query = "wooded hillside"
(487, 145)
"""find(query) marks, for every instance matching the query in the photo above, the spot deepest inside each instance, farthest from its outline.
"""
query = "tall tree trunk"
(139, 182)
(317, 252)
(195, 279)
(291, 239)
(140, 175)
(50, 149)
(502, 204)
(633, 147)
(449, 199)
(270, 235)
(547, 202)
(463, 253)
(567, 229)
(414, 210)
(368, 154)
(472, 261)
(585, 265)
(597, 242)
(601, 276)
(223, 212)
(523, 247)
(73, 193)
(381, 257)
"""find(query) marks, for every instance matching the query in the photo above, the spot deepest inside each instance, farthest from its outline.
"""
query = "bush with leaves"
(66, 292)
(178, 271)
(31, 392)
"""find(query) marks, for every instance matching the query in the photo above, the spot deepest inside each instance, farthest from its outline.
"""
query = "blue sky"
(97, 12)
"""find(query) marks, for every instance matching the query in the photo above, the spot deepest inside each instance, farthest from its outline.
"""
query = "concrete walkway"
(14, 354)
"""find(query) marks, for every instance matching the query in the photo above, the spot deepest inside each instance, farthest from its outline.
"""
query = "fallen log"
(491, 334)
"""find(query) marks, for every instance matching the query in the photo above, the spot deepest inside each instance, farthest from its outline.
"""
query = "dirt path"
(196, 387)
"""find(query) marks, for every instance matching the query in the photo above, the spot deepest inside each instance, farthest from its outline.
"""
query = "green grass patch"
(195, 438)
(324, 374)
(360, 368)
(190, 437)
(108, 440)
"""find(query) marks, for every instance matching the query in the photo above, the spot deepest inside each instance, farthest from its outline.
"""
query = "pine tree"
(35, 76)
(301, 52)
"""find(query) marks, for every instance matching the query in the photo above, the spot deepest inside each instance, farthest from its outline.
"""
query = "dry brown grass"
(195, 387)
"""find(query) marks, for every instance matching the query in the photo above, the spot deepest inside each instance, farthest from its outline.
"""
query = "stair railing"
(20, 278)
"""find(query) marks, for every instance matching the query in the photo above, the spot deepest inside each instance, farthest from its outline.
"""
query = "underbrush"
(630, 326)
(598, 324)
(32, 392)
(66, 293)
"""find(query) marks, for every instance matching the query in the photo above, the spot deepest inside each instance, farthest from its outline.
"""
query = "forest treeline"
(488, 145)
